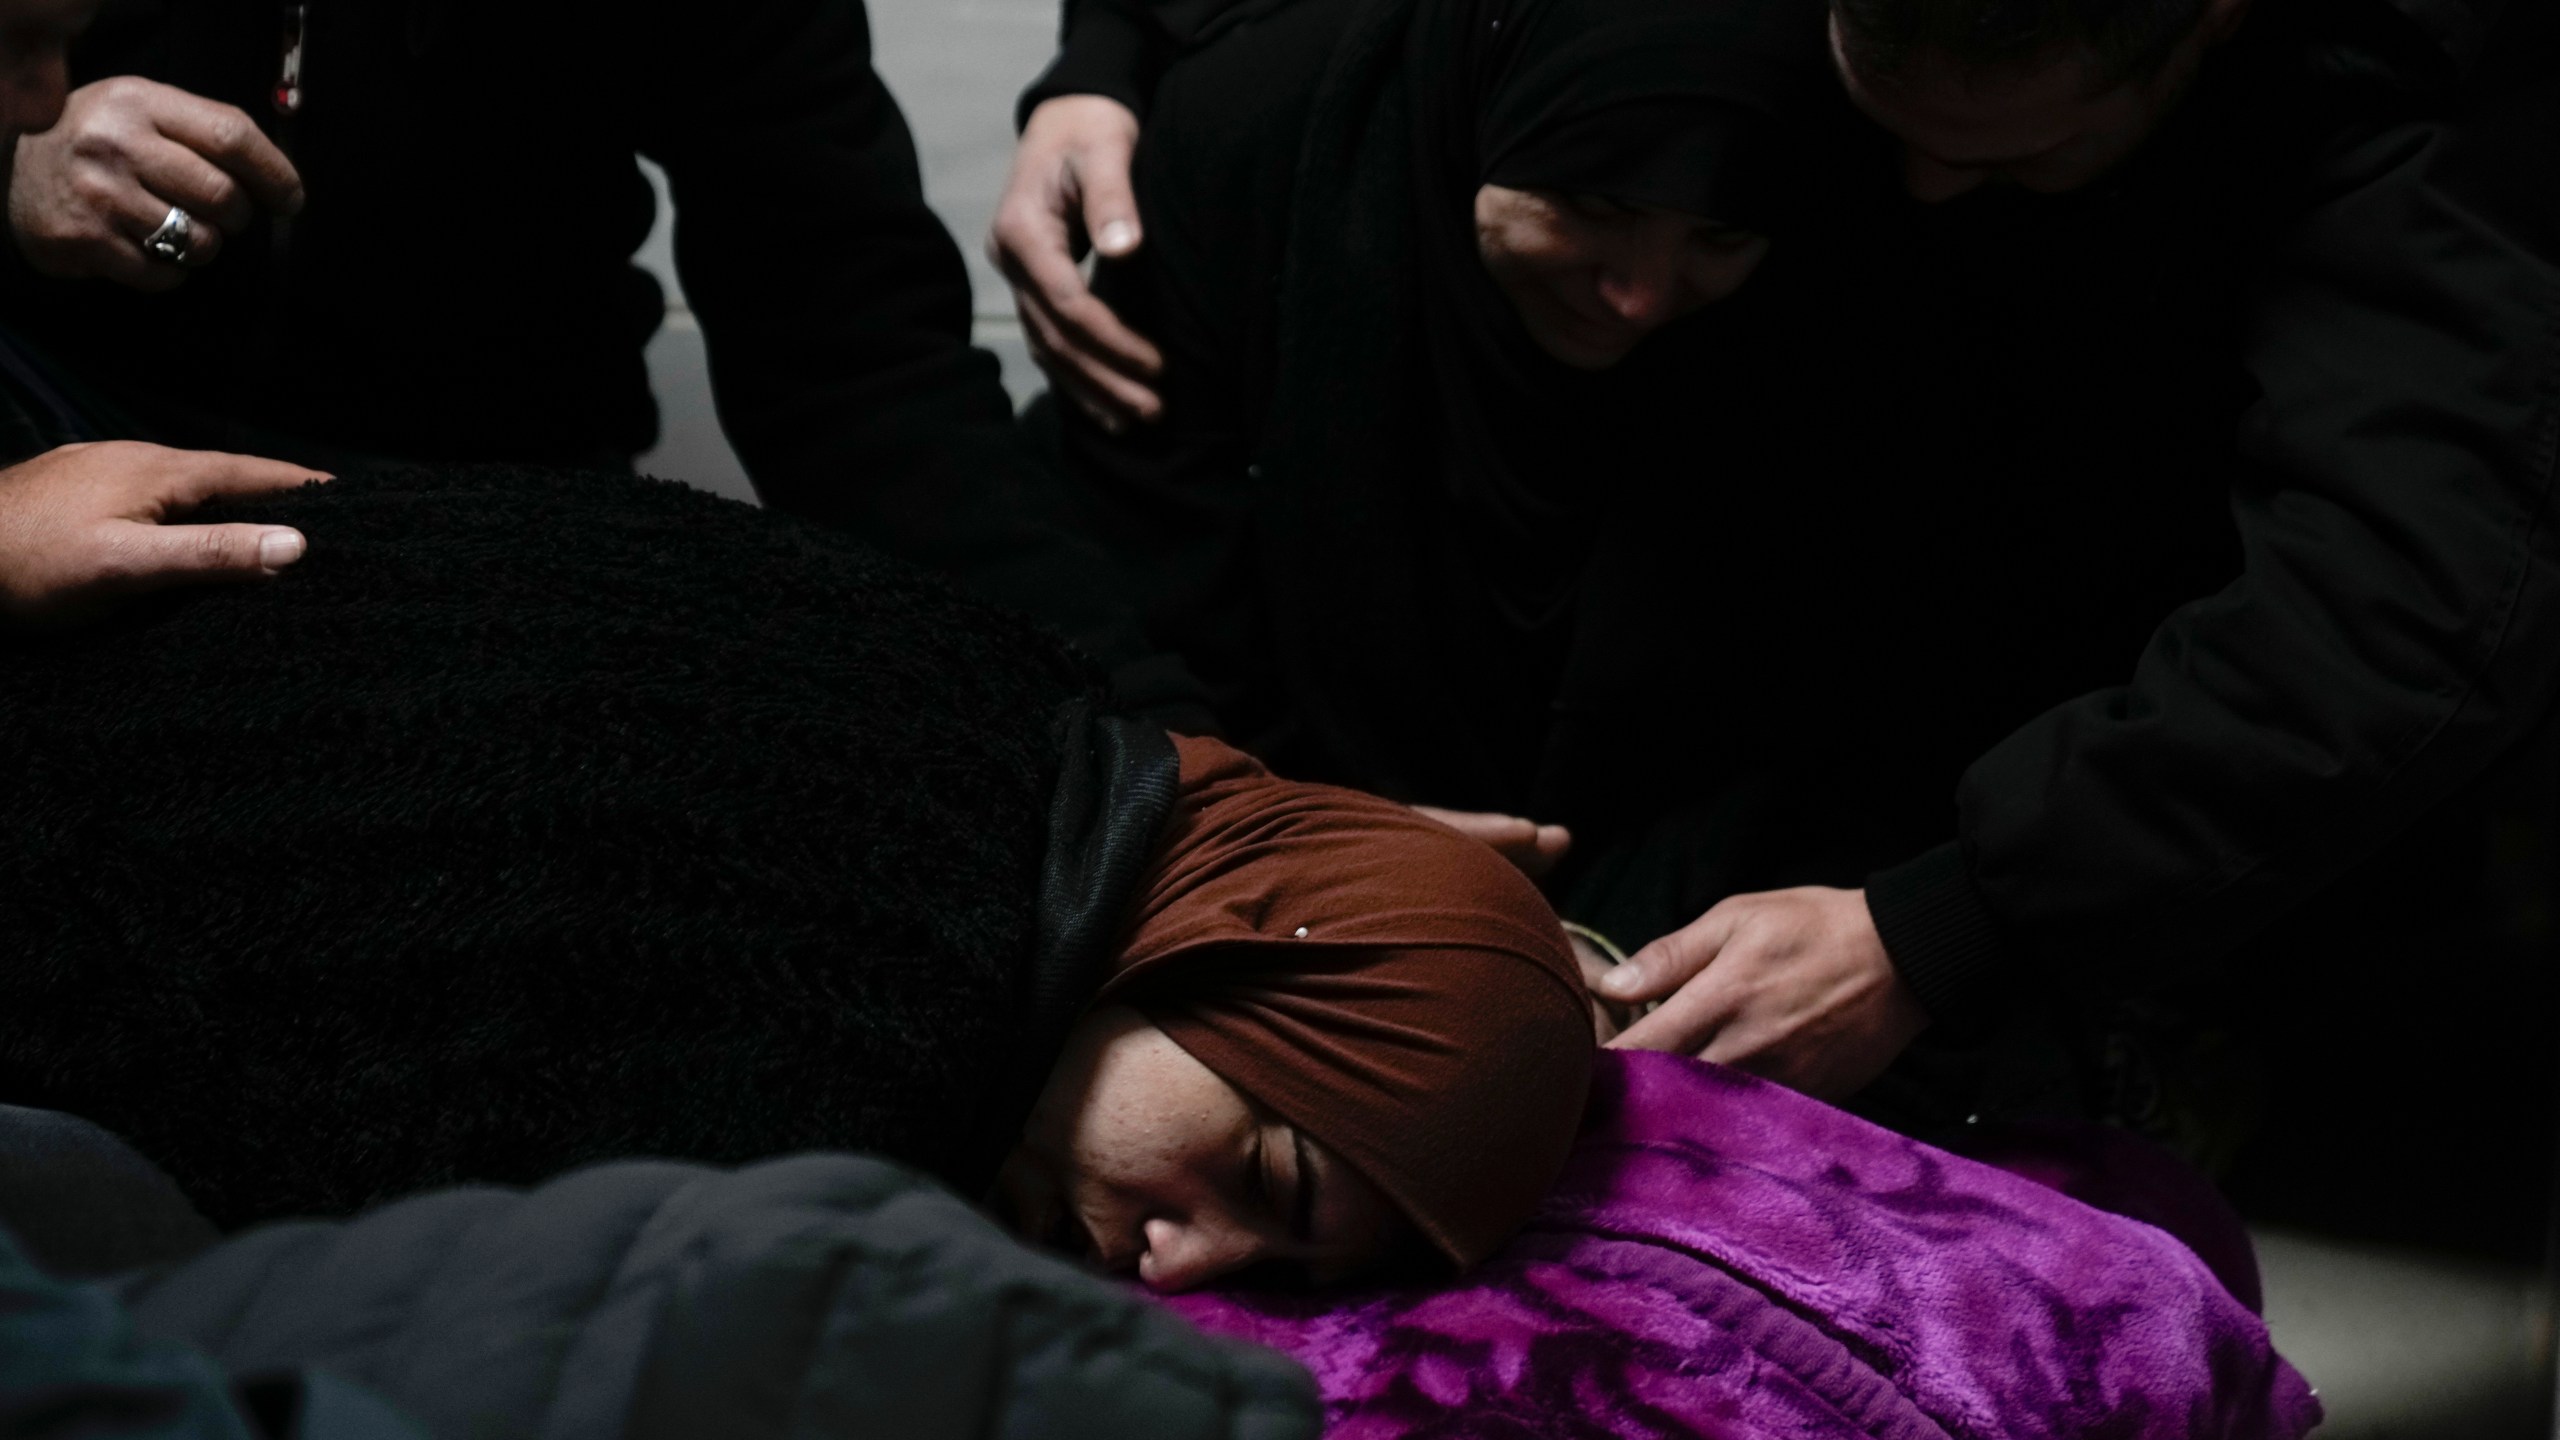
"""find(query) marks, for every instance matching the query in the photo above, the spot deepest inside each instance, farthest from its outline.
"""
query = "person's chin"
(1580, 347)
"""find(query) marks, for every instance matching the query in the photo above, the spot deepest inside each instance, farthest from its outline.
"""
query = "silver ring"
(174, 239)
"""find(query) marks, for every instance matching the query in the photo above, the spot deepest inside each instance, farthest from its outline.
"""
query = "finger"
(1126, 400)
(1112, 400)
(1730, 1046)
(1064, 377)
(195, 476)
(1096, 330)
(1547, 851)
(176, 175)
(144, 557)
(1085, 331)
(1668, 963)
(227, 136)
(111, 245)
(120, 259)
(1502, 832)
(1687, 1024)
(141, 217)
(1110, 206)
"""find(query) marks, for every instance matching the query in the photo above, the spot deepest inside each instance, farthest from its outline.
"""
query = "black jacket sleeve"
(2397, 623)
(1119, 49)
(837, 312)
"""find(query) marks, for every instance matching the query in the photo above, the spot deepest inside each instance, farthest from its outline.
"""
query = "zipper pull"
(288, 92)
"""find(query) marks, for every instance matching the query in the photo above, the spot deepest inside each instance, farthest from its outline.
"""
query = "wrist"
(1107, 54)
(1940, 935)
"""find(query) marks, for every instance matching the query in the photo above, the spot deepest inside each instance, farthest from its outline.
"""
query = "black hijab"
(1696, 106)
(1442, 483)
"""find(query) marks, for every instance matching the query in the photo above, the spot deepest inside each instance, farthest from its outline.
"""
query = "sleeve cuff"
(1938, 932)
(1106, 52)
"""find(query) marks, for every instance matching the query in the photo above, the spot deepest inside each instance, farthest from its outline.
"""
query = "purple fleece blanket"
(1727, 1258)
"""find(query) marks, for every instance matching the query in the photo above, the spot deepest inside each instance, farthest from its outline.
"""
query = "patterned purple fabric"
(1726, 1258)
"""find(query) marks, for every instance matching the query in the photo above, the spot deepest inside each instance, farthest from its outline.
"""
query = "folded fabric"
(1727, 1258)
(831, 1295)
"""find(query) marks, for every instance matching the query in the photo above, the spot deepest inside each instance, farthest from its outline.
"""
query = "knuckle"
(216, 548)
(109, 559)
(93, 189)
(117, 92)
(228, 131)
(100, 141)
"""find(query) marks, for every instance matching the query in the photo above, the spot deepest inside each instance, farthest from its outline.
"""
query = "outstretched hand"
(1794, 985)
(1069, 187)
(82, 525)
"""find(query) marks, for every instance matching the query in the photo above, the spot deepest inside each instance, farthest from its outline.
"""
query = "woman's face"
(1141, 1159)
(1591, 278)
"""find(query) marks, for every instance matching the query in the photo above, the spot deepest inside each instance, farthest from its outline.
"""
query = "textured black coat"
(533, 819)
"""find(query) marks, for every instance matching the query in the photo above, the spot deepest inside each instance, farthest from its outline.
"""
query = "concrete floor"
(2402, 1345)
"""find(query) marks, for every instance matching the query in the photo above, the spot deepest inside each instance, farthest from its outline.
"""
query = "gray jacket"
(821, 1295)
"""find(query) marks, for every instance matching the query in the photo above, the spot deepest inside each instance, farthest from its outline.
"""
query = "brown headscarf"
(1393, 988)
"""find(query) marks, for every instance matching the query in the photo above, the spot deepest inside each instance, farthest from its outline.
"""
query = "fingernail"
(1116, 237)
(279, 548)
(1620, 980)
(293, 204)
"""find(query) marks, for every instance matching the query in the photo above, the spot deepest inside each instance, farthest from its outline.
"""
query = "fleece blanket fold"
(1727, 1258)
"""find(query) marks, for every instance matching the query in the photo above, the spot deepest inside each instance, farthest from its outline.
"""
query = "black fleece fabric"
(818, 1295)
(533, 818)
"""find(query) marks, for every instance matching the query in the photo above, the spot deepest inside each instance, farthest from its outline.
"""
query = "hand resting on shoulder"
(82, 525)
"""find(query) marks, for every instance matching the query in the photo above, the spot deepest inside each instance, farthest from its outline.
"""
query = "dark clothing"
(1410, 552)
(73, 1363)
(460, 285)
(824, 1294)
(2383, 218)
(537, 818)
(1955, 465)
(1396, 539)
(82, 1203)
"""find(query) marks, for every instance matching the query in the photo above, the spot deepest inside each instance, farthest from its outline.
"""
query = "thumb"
(1668, 963)
(152, 556)
(1110, 206)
